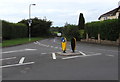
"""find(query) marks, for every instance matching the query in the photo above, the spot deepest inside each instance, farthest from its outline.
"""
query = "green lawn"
(18, 41)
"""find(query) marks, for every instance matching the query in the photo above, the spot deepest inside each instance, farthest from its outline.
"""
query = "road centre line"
(17, 65)
(81, 56)
(46, 45)
(7, 58)
(53, 55)
(21, 60)
(18, 51)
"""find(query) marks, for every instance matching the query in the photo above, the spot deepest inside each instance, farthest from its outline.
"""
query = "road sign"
(63, 43)
(29, 22)
(73, 44)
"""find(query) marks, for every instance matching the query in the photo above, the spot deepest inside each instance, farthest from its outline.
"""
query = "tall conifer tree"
(81, 22)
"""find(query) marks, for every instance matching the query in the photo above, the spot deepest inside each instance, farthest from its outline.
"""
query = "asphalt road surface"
(38, 61)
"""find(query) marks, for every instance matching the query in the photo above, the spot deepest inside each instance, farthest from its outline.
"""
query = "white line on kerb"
(81, 56)
(7, 58)
(21, 60)
(16, 65)
(53, 55)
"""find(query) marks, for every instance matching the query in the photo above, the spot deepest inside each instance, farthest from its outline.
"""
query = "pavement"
(39, 61)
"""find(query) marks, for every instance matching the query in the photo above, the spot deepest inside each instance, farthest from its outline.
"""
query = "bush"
(70, 31)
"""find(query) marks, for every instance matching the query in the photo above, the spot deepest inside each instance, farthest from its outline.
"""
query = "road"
(35, 61)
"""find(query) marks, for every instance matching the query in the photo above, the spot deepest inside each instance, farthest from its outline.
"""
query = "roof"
(110, 13)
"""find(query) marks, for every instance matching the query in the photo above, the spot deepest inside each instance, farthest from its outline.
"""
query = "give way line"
(7, 58)
(81, 56)
(17, 64)
(18, 51)
(21, 62)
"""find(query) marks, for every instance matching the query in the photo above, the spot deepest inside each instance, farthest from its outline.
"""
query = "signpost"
(73, 44)
(64, 44)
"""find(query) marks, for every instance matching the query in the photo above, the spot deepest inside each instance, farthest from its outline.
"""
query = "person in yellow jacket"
(63, 44)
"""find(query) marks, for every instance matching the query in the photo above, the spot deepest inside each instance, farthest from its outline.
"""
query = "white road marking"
(56, 47)
(18, 51)
(110, 55)
(82, 53)
(21, 60)
(54, 40)
(51, 46)
(35, 42)
(30, 49)
(43, 53)
(53, 55)
(16, 65)
(7, 58)
(81, 56)
(109, 50)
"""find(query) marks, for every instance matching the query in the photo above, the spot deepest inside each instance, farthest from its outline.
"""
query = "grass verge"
(13, 42)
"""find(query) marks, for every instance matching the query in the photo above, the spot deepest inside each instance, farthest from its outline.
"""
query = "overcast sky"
(58, 11)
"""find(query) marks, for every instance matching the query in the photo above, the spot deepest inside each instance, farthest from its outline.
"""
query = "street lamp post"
(30, 21)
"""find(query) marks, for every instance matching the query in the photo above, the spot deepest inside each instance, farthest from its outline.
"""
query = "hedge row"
(13, 30)
(108, 29)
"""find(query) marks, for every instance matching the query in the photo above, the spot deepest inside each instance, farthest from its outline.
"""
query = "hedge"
(13, 30)
(108, 29)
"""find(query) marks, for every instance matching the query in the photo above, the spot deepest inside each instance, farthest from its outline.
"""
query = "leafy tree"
(39, 27)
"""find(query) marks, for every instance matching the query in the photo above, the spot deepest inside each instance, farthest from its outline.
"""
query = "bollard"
(63, 44)
(73, 44)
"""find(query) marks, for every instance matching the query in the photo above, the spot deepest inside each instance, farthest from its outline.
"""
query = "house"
(113, 14)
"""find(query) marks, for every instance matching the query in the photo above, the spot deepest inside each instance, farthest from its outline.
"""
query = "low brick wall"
(101, 41)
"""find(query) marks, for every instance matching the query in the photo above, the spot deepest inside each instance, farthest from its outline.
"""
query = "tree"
(81, 22)
(39, 27)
